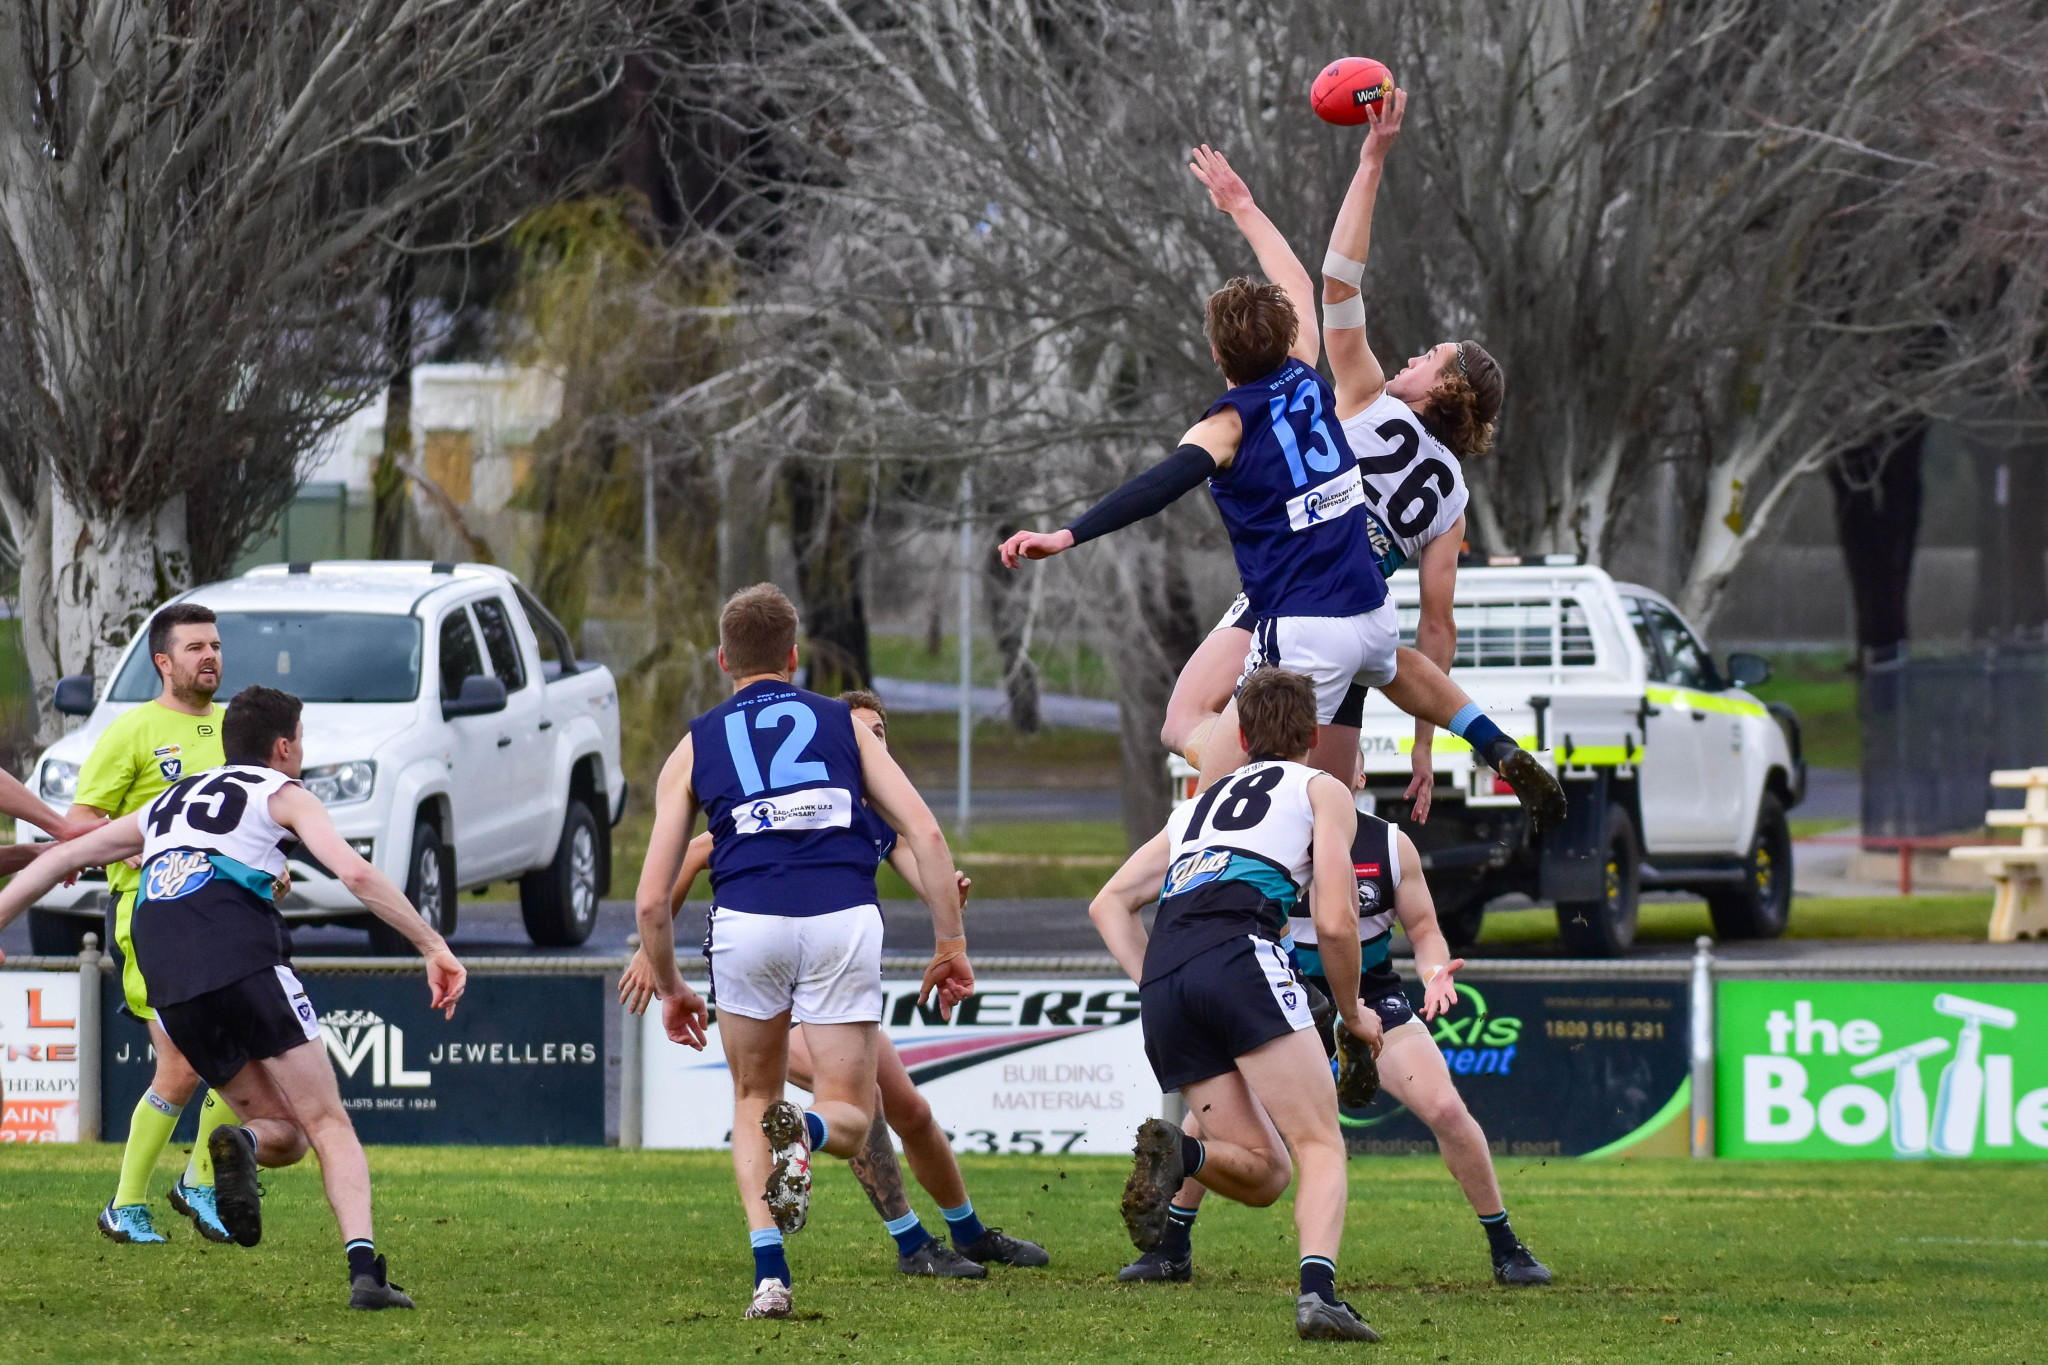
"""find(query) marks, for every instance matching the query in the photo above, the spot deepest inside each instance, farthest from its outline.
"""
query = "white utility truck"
(1678, 779)
(449, 728)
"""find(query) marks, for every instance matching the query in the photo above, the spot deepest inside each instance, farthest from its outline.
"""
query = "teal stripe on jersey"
(1276, 885)
(241, 874)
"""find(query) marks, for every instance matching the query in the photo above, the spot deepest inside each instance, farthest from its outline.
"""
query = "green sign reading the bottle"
(1904, 1070)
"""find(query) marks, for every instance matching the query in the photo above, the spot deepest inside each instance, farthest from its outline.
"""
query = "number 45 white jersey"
(222, 811)
(1412, 483)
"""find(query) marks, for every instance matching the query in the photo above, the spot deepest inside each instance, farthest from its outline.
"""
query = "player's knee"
(907, 1113)
(1440, 1108)
(1276, 1173)
(277, 1151)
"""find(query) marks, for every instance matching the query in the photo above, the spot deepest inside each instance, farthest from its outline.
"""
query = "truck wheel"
(429, 885)
(559, 902)
(1607, 927)
(53, 934)
(1761, 905)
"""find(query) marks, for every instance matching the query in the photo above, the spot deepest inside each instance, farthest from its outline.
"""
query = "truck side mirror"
(1748, 670)
(480, 696)
(74, 695)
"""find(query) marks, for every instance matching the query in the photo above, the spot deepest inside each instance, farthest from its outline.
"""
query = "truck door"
(480, 773)
(1692, 774)
(531, 755)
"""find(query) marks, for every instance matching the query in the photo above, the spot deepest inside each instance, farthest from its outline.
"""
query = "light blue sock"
(966, 1228)
(1463, 720)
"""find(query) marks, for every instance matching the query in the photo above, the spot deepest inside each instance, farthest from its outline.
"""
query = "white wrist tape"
(1429, 974)
(1341, 316)
(1341, 267)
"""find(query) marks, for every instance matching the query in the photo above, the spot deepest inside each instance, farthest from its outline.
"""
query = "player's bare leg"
(1203, 689)
(1413, 1071)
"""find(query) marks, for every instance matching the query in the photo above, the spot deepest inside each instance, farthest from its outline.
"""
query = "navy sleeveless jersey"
(1289, 500)
(777, 770)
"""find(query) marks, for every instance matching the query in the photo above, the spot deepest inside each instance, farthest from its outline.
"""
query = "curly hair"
(1466, 401)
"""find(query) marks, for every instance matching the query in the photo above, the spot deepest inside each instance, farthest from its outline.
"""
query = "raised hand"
(1227, 190)
(1384, 127)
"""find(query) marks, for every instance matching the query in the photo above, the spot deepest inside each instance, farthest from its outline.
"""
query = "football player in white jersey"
(1408, 433)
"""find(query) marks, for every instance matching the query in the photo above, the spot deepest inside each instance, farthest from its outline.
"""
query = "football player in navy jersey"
(903, 1110)
(795, 932)
(1295, 504)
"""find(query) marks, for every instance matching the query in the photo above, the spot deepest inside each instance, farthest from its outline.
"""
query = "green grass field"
(1844, 917)
(578, 1254)
(1823, 691)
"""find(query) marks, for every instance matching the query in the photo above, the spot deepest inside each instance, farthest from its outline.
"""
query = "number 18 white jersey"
(1412, 482)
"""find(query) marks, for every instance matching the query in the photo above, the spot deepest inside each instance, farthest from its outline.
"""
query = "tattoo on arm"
(879, 1173)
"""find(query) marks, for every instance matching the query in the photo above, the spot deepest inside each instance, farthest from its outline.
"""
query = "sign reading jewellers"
(521, 1062)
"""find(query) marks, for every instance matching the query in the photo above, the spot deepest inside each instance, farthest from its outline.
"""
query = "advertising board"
(1025, 1065)
(1887, 1069)
(522, 1061)
(1553, 1068)
(39, 1056)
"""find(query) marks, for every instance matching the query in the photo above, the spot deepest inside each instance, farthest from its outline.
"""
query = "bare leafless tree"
(200, 207)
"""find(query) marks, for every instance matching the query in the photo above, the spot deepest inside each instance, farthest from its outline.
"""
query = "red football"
(1350, 89)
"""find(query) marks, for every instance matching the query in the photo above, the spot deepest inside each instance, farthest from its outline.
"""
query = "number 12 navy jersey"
(1287, 499)
(777, 770)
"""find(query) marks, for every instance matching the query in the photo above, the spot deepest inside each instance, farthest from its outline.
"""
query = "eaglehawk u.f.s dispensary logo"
(1883, 1069)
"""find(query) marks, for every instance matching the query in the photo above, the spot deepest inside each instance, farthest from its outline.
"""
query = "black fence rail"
(1936, 724)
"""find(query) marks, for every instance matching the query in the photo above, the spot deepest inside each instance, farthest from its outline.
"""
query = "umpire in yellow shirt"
(144, 751)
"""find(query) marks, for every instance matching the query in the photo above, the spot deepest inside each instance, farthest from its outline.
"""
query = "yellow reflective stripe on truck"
(1451, 744)
(1705, 701)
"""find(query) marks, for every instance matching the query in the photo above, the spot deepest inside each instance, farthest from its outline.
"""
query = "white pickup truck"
(1678, 779)
(449, 728)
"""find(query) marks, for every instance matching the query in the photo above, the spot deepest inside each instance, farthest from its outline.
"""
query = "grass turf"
(579, 1254)
(1829, 917)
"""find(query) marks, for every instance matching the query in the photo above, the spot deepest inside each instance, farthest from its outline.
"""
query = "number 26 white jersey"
(1412, 483)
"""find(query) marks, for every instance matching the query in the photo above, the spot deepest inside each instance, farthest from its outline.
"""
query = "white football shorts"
(823, 969)
(1330, 651)
(1239, 615)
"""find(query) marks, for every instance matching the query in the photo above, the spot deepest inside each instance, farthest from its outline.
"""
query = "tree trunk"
(2012, 482)
(29, 527)
(1011, 607)
(111, 571)
(1166, 635)
(828, 574)
(388, 486)
(1877, 518)
(746, 497)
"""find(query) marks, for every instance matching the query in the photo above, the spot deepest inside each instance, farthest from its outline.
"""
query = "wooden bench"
(2020, 908)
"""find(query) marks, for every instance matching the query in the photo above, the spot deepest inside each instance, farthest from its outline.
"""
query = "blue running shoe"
(196, 1203)
(130, 1223)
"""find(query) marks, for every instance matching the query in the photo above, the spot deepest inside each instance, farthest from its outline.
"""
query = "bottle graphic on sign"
(1960, 1100)
(1909, 1097)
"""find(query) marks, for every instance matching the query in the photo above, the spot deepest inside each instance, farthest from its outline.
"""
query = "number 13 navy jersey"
(777, 770)
(1287, 499)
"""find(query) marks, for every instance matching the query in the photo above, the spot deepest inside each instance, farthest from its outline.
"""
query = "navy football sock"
(1319, 1277)
(769, 1261)
(1192, 1155)
(362, 1257)
(966, 1228)
(1500, 1238)
(1178, 1243)
(815, 1126)
(1487, 739)
(909, 1233)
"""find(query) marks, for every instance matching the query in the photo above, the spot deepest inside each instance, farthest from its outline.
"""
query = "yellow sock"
(149, 1131)
(212, 1114)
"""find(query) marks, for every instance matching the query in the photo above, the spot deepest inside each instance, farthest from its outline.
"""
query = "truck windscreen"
(314, 655)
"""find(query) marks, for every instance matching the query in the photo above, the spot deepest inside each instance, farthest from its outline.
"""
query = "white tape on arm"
(1341, 267)
(1350, 313)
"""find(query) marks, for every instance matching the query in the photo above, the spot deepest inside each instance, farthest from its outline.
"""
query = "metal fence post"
(89, 1040)
(1703, 1047)
(630, 1067)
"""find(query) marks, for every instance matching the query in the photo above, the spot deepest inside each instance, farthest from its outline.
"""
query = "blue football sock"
(815, 1126)
(1487, 739)
(769, 1261)
(966, 1228)
(1319, 1277)
(1178, 1242)
(908, 1232)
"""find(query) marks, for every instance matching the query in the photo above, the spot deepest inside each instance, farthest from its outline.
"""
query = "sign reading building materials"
(1900, 1069)
(1024, 1066)
(521, 1062)
(39, 1056)
(1552, 1068)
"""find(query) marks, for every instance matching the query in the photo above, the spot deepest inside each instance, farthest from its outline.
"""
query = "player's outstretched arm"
(683, 1014)
(299, 811)
(950, 974)
(1228, 192)
(1359, 379)
(110, 843)
(636, 983)
(1333, 901)
(1416, 909)
(1209, 445)
(1436, 639)
(906, 868)
(21, 803)
(1115, 908)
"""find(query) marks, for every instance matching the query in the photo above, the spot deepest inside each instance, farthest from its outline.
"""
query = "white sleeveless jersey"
(1255, 825)
(1376, 859)
(1412, 483)
(223, 812)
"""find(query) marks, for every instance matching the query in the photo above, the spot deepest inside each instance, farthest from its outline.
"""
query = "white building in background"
(473, 430)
